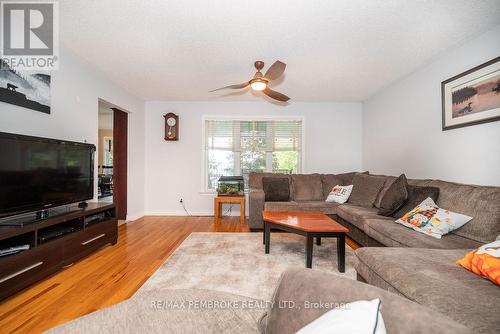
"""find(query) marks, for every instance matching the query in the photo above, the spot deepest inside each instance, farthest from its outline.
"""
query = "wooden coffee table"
(310, 224)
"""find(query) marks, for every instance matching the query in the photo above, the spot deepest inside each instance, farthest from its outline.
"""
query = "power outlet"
(181, 201)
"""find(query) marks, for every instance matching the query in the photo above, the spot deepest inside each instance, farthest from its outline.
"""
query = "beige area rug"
(236, 263)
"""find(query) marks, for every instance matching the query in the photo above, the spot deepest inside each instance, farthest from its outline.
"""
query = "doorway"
(112, 157)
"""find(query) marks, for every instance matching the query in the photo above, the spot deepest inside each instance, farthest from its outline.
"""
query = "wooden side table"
(219, 200)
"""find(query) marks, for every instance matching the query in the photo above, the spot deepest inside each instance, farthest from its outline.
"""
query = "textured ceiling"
(340, 50)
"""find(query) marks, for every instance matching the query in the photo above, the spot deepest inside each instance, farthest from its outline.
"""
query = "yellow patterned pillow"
(484, 261)
(432, 220)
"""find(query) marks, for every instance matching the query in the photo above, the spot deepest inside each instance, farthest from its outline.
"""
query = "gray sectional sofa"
(416, 266)
(308, 192)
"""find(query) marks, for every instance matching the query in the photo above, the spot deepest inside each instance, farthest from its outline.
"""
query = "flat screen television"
(40, 173)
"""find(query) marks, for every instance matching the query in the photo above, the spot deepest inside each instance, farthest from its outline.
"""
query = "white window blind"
(238, 147)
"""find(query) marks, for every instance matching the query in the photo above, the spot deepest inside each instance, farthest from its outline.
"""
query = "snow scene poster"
(29, 89)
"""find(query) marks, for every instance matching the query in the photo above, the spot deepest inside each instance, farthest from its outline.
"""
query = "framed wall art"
(472, 97)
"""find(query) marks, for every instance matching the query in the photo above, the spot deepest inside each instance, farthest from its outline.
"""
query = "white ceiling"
(342, 50)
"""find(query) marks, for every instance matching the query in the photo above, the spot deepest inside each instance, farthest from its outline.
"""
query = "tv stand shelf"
(54, 243)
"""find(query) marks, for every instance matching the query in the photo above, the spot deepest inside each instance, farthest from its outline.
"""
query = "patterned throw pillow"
(430, 219)
(339, 194)
(484, 261)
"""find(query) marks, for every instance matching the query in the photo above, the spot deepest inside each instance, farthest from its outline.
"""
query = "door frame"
(120, 161)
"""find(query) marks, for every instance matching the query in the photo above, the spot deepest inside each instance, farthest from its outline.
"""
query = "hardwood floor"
(107, 277)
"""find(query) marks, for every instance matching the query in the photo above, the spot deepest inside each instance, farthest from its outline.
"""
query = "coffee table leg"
(267, 236)
(264, 234)
(341, 253)
(309, 251)
(318, 241)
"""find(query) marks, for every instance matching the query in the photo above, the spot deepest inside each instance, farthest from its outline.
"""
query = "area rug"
(236, 263)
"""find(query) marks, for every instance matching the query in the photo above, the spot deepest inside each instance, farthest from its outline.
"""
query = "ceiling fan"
(260, 82)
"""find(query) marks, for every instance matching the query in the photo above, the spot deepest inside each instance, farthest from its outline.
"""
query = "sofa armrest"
(256, 199)
(303, 295)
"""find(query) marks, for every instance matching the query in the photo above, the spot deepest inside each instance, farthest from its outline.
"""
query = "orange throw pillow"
(484, 261)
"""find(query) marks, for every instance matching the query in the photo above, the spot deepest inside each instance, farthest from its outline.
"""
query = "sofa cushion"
(366, 189)
(394, 197)
(276, 189)
(255, 178)
(431, 278)
(392, 234)
(325, 207)
(331, 180)
(307, 187)
(150, 312)
(480, 202)
(299, 286)
(328, 181)
(416, 195)
(356, 214)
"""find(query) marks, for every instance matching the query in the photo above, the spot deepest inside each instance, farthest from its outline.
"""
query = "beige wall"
(102, 134)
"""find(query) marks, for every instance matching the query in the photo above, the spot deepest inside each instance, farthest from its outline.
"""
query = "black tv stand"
(54, 243)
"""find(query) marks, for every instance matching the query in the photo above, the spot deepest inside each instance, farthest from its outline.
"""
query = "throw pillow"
(484, 261)
(339, 194)
(388, 182)
(276, 189)
(416, 195)
(365, 189)
(395, 197)
(430, 219)
(357, 317)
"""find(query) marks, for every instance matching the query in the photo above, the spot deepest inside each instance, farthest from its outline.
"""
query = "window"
(238, 147)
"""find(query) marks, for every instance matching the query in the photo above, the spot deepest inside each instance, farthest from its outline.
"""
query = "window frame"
(204, 155)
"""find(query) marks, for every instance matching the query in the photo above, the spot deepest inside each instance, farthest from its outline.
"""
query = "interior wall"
(174, 169)
(75, 90)
(402, 124)
(105, 120)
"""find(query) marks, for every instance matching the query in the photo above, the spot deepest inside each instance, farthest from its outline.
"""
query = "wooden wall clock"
(171, 126)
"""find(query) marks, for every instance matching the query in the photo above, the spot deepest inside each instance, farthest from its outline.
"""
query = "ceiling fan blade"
(275, 71)
(238, 86)
(275, 95)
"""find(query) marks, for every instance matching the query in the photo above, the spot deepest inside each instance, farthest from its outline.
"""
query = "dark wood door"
(120, 139)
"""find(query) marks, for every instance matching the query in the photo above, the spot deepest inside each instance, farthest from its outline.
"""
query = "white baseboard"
(178, 213)
(134, 217)
(183, 213)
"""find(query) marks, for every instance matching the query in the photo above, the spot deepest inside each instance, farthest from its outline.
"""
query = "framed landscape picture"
(472, 97)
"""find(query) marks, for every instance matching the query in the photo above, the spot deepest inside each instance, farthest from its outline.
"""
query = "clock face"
(171, 121)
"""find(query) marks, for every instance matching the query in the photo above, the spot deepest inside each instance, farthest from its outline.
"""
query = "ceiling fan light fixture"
(258, 84)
